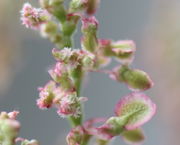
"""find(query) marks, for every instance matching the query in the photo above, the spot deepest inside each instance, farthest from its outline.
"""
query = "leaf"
(132, 137)
(136, 108)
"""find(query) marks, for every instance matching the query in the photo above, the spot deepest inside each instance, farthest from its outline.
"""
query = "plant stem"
(77, 75)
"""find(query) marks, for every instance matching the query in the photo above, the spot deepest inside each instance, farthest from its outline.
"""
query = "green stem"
(77, 75)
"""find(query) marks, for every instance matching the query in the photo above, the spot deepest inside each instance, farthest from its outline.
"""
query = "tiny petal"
(137, 107)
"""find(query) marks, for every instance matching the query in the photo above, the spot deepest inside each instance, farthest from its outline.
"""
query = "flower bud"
(89, 25)
(105, 47)
(33, 17)
(136, 80)
(60, 75)
(74, 58)
(49, 29)
(89, 28)
(77, 5)
(54, 7)
(46, 95)
(13, 114)
(9, 128)
(69, 105)
(76, 136)
(136, 108)
(124, 50)
(69, 26)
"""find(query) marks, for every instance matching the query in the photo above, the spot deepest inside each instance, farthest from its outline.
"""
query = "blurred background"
(25, 57)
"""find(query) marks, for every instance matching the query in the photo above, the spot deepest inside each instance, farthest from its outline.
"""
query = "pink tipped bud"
(74, 58)
(9, 127)
(62, 55)
(137, 80)
(137, 109)
(105, 47)
(46, 95)
(13, 114)
(33, 17)
(124, 50)
(76, 136)
(60, 74)
(69, 105)
(90, 23)
(89, 40)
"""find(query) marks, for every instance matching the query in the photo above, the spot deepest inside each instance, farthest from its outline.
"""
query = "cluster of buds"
(9, 130)
(33, 17)
(75, 58)
(62, 91)
(66, 101)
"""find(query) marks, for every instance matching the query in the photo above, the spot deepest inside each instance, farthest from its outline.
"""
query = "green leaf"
(133, 136)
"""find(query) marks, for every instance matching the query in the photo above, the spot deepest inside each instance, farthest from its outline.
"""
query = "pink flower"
(46, 95)
(69, 105)
(33, 17)
(74, 58)
(89, 22)
(59, 72)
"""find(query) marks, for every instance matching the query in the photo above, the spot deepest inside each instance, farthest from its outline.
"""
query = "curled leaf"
(137, 108)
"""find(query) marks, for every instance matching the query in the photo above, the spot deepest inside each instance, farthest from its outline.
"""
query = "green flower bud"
(55, 7)
(49, 29)
(134, 78)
